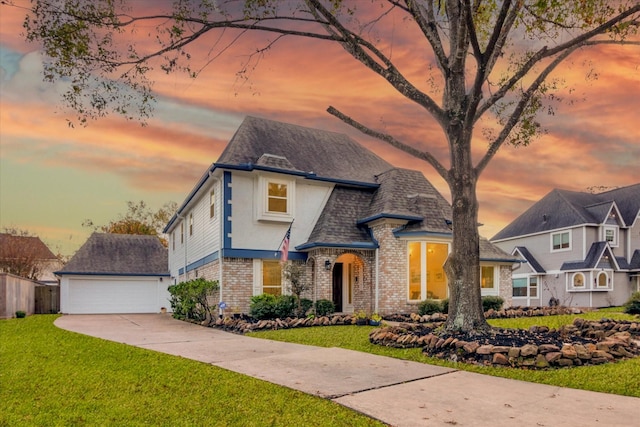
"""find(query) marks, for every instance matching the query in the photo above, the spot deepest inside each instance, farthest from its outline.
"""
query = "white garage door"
(113, 295)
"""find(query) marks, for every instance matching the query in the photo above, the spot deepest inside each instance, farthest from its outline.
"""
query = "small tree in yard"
(294, 274)
(487, 66)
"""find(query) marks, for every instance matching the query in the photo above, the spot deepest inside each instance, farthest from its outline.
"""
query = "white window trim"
(496, 281)
(616, 235)
(263, 213)
(584, 286)
(561, 249)
(608, 281)
(423, 268)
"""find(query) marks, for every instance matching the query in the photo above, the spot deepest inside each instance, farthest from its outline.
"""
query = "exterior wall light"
(327, 265)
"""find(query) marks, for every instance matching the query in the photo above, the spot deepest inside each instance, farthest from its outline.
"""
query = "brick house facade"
(372, 237)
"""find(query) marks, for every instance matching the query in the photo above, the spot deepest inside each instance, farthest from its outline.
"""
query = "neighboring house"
(29, 257)
(581, 249)
(374, 237)
(116, 273)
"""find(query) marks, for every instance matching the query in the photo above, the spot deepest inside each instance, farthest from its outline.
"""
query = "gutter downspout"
(376, 271)
(184, 238)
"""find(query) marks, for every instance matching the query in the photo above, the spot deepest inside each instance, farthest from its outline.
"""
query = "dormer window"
(611, 235)
(277, 199)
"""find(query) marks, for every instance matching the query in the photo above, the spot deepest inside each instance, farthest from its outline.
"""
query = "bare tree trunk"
(463, 265)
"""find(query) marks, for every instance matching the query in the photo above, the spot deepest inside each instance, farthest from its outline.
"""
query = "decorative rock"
(514, 352)
(500, 359)
(528, 350)
(547, 348)
(553, 356)
(569, 352)
(470, 347)
(484, 349)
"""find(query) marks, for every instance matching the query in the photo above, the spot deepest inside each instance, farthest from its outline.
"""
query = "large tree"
(139, 219)
(489, 63)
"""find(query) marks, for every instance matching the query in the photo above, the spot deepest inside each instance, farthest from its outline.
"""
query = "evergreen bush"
(324, 307)
(492, 302)
(429, 306)
(632, 306)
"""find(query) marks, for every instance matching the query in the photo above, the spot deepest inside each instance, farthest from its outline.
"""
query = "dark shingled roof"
(635, 260)
(326, 154)
(528, 256)
(490, 252)
(562, 208)
(591, 261)
(119, 254)
(337, 224)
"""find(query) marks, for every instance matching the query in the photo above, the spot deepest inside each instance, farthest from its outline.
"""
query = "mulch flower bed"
(582, 343)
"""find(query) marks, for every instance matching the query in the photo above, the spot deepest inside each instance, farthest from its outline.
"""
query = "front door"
(337, 286)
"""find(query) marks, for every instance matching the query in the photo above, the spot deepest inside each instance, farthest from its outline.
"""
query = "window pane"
(271, 277)
(212, 204)
(436, 279)
(486, 279)
(415, 275)
(565, 240)
(602, 280)
(277, 190)
(561, 240)
(578, 280)
(277, 197)
(533, 287)
(277, 205)
(519, 287)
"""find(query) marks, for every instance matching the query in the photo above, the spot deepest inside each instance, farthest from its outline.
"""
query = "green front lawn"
(52, 377)
(617, 378)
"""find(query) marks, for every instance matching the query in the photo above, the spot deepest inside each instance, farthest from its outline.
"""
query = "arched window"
(578, 280)
(603, 280)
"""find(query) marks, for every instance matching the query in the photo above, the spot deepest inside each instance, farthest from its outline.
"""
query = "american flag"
(284, 255)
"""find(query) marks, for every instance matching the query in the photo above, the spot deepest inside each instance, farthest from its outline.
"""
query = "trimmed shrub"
(492, 302)
(306, 304)
(324, 307)
(263, 306)
(429, 306)
(286, 306)
(189, 299)
(632, 306)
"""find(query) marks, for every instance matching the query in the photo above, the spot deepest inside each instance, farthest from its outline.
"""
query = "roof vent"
(545, 217)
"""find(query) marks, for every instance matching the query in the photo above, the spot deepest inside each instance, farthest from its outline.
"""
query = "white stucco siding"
(250, 232)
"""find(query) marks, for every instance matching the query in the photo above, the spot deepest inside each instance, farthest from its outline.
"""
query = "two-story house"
(372, 236)
(581, 249)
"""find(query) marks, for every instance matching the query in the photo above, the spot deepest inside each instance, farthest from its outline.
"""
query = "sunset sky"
(52, 176)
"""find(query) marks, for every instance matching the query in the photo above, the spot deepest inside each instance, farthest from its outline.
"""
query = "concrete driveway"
(397, 392)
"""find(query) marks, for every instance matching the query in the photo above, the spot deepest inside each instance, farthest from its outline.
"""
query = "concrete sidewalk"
(397, 392)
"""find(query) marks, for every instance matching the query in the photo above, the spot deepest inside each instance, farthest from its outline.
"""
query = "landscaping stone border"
(583, 343)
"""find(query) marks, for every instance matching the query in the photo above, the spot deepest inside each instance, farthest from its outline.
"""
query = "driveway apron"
(397, 392)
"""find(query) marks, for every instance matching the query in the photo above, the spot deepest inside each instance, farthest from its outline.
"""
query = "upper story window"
(212, 203)
(173, 240)
(191, 224)
(561, 241)
(277, 196)
(611, 235)
(181, 232)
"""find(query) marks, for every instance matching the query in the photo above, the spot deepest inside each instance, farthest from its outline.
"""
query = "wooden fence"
(20, 294)
(47, 299)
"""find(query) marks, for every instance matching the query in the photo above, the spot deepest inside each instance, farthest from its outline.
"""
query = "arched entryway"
(346, 276)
